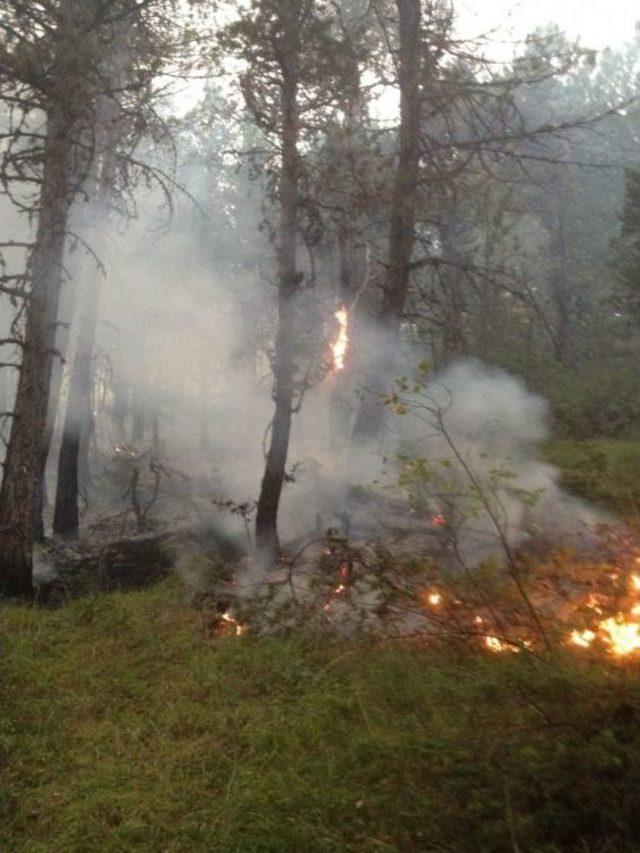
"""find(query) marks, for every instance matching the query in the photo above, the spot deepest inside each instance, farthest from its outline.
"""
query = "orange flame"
(496, 645)
(622, 637)
(339, 346)
(613, 627)
(233, 623)
(583, 638)
(619, 633)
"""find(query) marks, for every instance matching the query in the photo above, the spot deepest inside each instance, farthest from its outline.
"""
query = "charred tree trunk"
(351, 278)
(348, 258)
(139, 417)
(85, 481)
(155, 434)
(27, 441)
(284, 363)
(77, 419)
(371, 412)
(55, 382)
(99, 185)
(120, 406)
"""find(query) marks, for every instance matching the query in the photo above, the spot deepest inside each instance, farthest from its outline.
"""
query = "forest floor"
(128, 725)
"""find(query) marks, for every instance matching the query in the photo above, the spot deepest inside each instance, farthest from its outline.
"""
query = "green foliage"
(604, 471)
(600, 399)
(472, 493)
(124, 727)
(627, 247)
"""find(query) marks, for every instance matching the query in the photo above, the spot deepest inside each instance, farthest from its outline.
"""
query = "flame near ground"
(620, 633)
(588, 606)
(604, 598)
(617, 634)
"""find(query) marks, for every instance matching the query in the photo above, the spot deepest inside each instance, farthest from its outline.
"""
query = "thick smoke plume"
(187, 326)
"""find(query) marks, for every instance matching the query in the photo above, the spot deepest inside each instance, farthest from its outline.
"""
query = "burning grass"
(128, 726)
(582, 604)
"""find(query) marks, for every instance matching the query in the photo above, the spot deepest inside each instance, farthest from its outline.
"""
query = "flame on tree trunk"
(353, 274)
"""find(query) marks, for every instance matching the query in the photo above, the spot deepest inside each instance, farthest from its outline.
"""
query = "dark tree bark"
(293, 60)
(77, 418)
(99, 187)
(350, 267)
(120, 405)
(139, 415)
(371, 412)
(288, 285)
(62, 339)
(27, 441)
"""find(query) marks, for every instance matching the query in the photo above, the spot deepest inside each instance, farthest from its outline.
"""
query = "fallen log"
(65, 570)
(69, 570)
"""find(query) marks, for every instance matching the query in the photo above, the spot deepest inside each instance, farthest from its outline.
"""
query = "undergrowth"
(604, 471)
(127, 727)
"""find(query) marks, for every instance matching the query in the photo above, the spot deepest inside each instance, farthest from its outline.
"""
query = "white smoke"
(193, 330)
(480, 433)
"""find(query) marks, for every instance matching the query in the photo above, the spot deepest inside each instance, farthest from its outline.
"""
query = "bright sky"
(599, 23)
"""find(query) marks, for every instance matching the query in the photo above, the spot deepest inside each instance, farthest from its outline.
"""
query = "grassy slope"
(125, 728)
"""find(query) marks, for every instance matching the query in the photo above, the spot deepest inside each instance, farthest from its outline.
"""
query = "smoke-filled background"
(515, 292)
(186, 339)
(184, 342)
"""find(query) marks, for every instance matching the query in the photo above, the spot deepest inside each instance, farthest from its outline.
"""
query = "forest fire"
(339, 346)
(617, 635)
(232, 625)
(620, 633)
(583, 638)
(621, 636)
(609, 609)
(344, 573)
(496, 645)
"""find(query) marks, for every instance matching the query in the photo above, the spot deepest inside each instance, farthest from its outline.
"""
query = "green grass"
(605, 471)
(126, 728)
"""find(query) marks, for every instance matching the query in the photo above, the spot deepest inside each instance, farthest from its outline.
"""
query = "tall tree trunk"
(55, 383)
(120, 404)
(78, 416)
(139, 416)
(23, 463)
(371, 412)
(343, 390)
(107, 129)
(284, 363)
